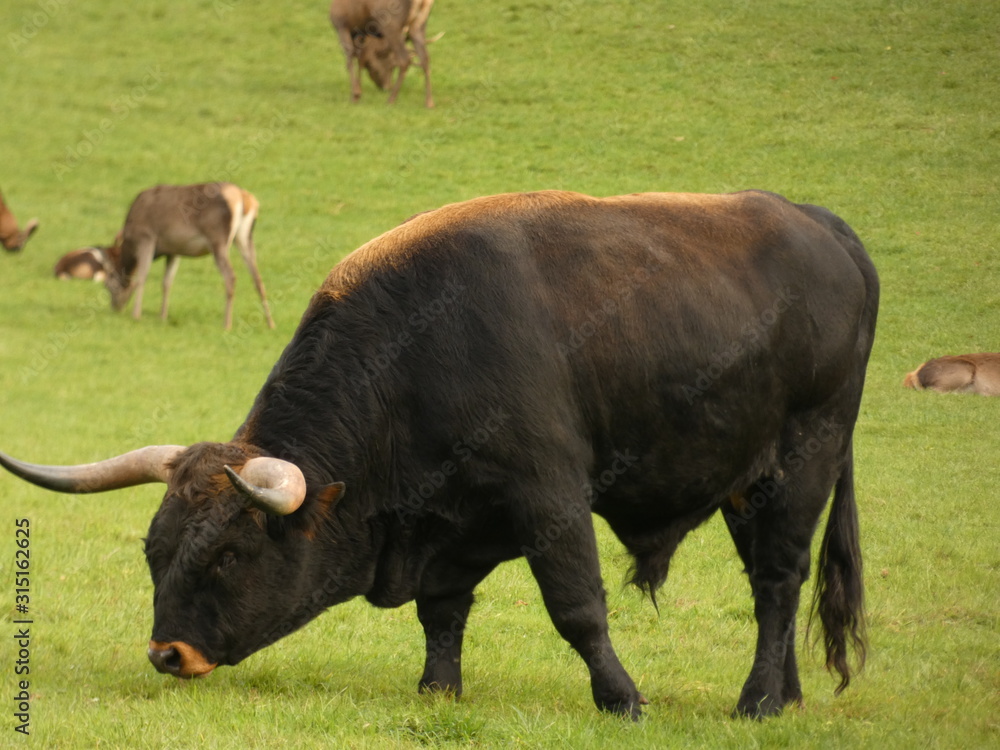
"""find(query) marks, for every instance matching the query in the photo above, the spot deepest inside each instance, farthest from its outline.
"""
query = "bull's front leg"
(562, 551)
(443, 605)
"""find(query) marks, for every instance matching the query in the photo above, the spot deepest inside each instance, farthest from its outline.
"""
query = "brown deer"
(965, 373)
(183, 220)
(12, 238)
(374, 32)
(85, 263)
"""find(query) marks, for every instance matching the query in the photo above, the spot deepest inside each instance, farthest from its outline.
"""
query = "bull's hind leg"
(558, 541)
(741, 519)
(772, 526)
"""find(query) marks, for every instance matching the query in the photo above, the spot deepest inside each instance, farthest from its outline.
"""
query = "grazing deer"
(965, 373)
(183, 220)
(374, 32)
(12, 238)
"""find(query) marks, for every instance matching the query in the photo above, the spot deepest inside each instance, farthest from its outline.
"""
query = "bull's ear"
(330, 495)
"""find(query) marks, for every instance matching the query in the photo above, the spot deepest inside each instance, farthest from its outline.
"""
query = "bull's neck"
(323, 407)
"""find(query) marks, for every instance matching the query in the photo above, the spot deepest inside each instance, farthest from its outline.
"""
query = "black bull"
(484, 377)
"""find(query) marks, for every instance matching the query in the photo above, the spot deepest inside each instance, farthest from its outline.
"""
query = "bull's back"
(688, 325)
(673, 279)
(693, 326)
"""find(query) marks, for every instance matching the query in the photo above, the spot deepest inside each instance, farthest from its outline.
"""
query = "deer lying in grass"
(85, 263)
(183, 220)
(965, 373)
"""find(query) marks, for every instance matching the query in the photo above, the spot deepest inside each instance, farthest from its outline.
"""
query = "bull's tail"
(839, 595)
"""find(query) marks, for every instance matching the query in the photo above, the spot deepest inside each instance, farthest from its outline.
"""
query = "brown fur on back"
(85, 263)
(963, 373)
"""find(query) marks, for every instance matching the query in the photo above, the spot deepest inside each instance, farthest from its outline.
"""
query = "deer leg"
(420, 45)
(229, 279)
(143, 262)
(244, 240)
(353, 66)
(173, 262)
(403, 61)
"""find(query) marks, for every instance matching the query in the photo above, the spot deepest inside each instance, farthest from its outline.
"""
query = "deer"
(374, 32)
(11, 237)
(85, 263)
(175, 221)
(964, 373)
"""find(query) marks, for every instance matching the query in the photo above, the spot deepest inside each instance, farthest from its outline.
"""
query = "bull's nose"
(165, 658)
(179, 659)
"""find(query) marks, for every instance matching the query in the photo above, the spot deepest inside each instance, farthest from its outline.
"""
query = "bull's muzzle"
(179, 659)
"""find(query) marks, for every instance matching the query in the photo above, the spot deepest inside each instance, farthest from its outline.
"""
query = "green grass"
(886, 112)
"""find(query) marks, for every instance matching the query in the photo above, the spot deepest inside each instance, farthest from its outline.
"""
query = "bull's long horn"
(275, 486)
(149, 464)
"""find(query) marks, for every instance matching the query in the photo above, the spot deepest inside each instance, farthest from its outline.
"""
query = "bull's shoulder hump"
(509, 209)
(490, 212)
(507, 214)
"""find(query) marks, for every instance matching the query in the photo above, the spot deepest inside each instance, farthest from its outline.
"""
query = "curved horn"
(149, 464)
(270, 484)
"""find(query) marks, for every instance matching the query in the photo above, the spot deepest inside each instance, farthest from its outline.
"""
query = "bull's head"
(228, 568)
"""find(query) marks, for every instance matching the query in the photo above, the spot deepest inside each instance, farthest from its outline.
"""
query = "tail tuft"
(839, 595)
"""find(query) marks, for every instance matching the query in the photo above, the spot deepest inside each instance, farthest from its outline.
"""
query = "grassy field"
(887, 112)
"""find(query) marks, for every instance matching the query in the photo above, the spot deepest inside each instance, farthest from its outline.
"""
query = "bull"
(471, 386)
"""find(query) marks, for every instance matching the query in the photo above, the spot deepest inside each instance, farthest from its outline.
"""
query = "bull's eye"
(226, 561)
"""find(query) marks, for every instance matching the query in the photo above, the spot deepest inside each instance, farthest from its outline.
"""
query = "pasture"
(886, 112)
